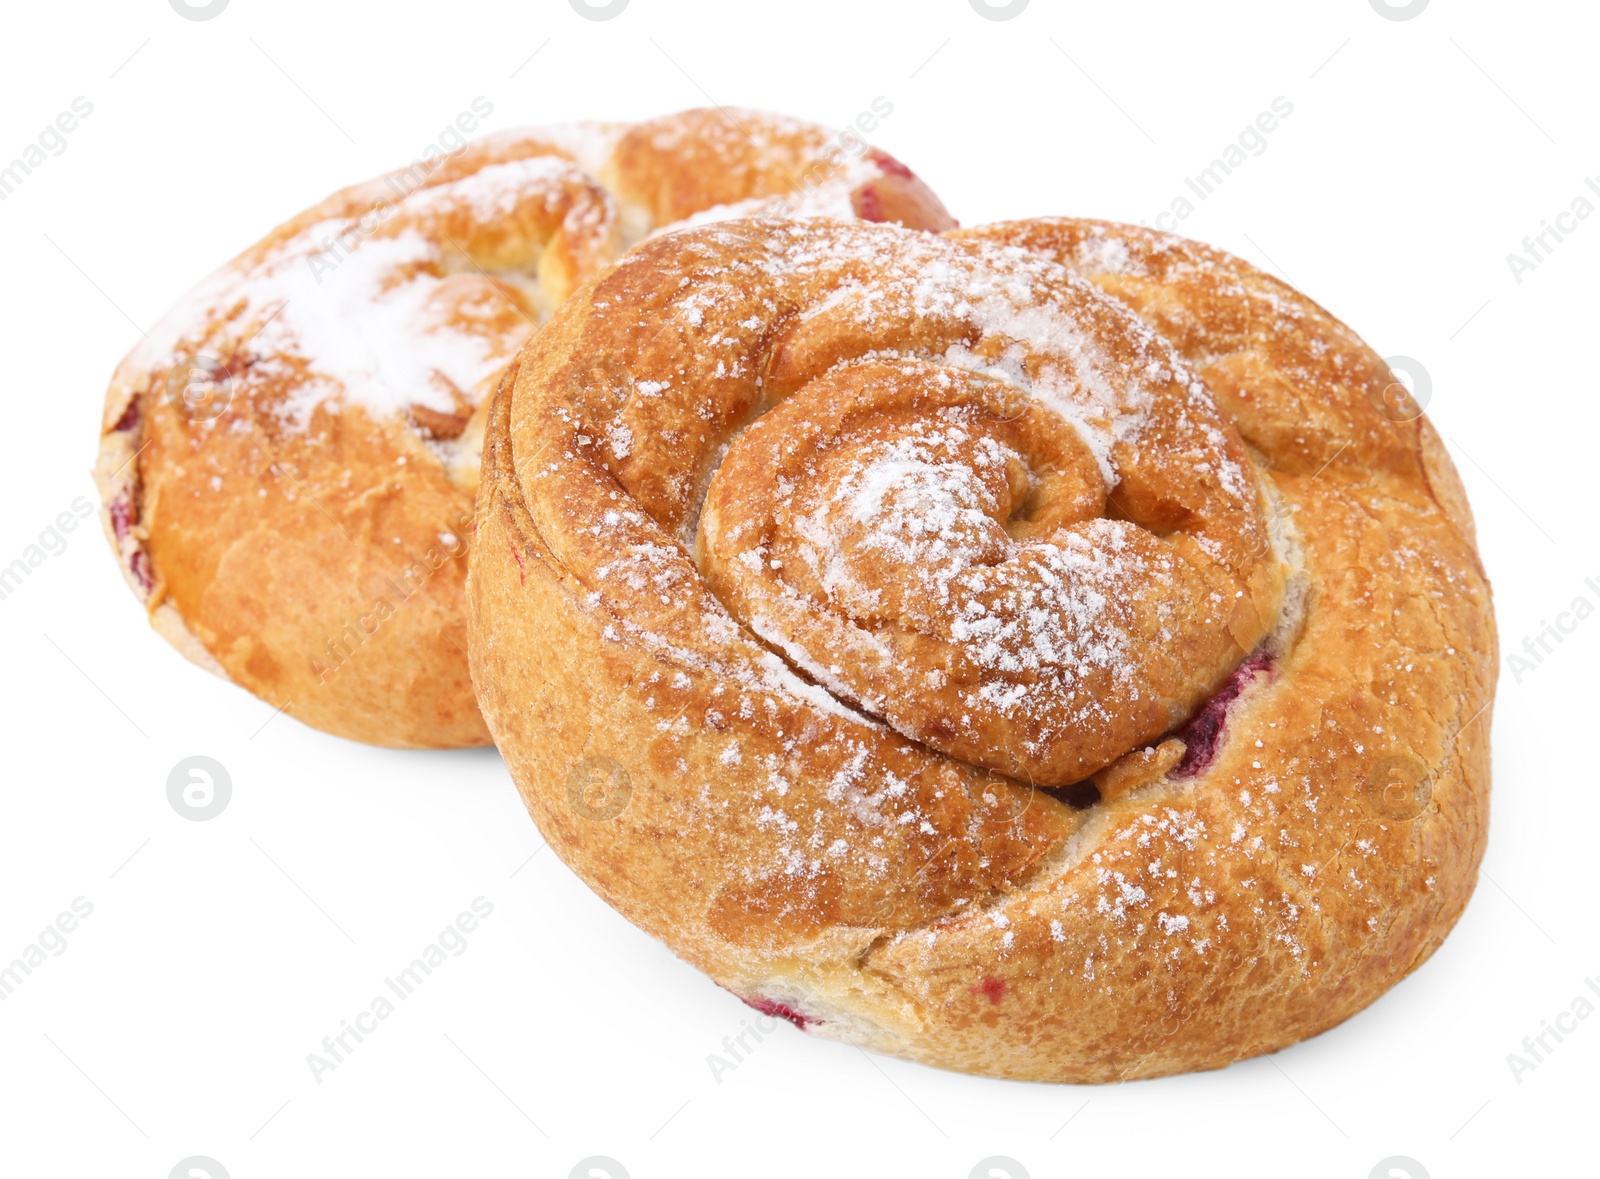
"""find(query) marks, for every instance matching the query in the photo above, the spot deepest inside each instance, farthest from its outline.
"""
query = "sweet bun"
(288, 462)
(1055, 651)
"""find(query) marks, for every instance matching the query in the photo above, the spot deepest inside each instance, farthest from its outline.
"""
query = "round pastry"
(1056, 651)
(288, 461)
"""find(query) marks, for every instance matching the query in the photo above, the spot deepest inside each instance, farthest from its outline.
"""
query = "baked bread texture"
(1055, 650)
(288, 462)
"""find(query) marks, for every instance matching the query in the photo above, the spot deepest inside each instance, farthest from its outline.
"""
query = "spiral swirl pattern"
(931, 542)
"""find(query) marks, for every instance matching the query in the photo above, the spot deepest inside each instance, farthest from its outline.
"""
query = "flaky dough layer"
(797, 540)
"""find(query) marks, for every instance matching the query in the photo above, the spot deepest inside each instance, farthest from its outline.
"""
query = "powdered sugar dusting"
(363, 311)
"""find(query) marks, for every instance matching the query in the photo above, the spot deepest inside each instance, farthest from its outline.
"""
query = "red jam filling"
(129, 418)
(778, 1011)
(122, 513)
(139, 563)
(868, 205)
(1202, 734)
(889, 165)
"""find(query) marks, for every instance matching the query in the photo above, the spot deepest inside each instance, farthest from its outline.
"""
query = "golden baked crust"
(288, 463)
(692, 478)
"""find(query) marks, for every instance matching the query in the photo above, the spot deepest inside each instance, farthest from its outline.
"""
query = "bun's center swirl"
(957, 488)
(932, 544)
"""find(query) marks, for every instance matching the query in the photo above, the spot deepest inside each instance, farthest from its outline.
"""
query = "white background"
(178, 1019)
